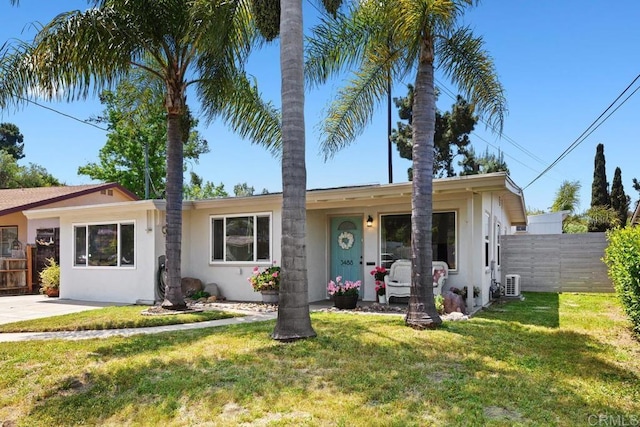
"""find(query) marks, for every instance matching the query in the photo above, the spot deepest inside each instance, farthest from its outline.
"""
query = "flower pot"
(270, 297)
(382, 299)
(345, 302)
(52, 292)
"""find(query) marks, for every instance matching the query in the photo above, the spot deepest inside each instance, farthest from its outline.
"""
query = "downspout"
(472, 260)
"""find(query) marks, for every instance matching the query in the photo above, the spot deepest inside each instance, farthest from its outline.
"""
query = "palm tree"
(293, 311)
(402, 37)
(285, 17)
(180, 43)
(567, 197)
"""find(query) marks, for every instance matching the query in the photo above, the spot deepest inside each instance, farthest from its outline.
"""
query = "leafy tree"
(11, 140)
(177, 43)
(294, 321)
(198, 189)
(9, 171)
(398, 37)
(534, 211)
(619, 200)
(242, 190)
(574, 224)
(600, 186)
(487, 163)
(601, 218)
(452, 133)
(136, 118)
(13, 175)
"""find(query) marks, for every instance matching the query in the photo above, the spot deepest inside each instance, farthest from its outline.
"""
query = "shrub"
(622, 257)
(200, 294)
(439, 304)
(50, 275)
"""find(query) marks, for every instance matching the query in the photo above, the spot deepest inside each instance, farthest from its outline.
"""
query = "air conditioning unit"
(512, 285)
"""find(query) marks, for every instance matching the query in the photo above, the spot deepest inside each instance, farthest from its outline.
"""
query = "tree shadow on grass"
(361, 370)
(537, 308)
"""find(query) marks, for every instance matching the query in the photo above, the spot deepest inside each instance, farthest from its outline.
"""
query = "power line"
(62, 114)
(502, 151)
(588, 131)
(448, 92)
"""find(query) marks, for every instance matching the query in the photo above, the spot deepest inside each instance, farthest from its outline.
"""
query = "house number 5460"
(346, 262)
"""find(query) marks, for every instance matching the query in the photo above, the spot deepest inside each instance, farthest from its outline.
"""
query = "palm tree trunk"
(173, 298)
(422, 311)
(293, 321)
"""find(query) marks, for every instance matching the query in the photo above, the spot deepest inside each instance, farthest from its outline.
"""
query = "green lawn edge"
(120, 317)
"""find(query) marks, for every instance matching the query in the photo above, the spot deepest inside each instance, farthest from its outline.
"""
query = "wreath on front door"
(345, 240)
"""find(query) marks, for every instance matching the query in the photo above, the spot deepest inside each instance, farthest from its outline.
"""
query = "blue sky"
(561, 62)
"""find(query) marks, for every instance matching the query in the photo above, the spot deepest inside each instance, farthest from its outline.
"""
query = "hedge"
(622, 257)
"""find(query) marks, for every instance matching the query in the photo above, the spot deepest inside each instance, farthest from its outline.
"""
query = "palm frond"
(339, 44)
(353, 108)
(227, 93)
(462, 57)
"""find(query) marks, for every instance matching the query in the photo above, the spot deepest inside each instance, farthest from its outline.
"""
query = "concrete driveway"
(25, 307)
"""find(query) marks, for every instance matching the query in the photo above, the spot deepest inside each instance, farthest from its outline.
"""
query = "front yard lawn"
(109, 318)
(552, 359)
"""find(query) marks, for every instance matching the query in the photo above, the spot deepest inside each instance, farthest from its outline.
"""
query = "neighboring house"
(16, 231)
(546, 223)
(111, 252)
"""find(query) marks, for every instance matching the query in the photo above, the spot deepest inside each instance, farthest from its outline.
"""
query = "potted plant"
(378, 274)
(266, 281)
(345, 295)
(50, 278)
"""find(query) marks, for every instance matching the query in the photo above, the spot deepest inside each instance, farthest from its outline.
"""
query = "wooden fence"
(557, 262)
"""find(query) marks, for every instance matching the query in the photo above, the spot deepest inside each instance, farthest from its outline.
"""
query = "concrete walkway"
(25, 307)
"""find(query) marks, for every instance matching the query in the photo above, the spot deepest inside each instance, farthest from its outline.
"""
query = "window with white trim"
(104, 245)
(395, 238)
(241, 238)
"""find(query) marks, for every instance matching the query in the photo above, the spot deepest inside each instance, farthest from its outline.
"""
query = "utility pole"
(389, 144)
(146, 171)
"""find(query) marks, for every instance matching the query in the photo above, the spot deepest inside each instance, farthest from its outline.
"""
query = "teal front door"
(346, 249)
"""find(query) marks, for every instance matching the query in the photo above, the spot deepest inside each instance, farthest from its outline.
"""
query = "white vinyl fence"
(557, 262)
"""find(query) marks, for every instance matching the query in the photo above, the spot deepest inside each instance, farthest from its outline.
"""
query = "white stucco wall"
(231, 277)
(111, 284)
(139, 282)
(492, 208)
(548, 223)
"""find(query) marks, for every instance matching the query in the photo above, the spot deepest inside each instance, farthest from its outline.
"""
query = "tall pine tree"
(451, 137)
(600, 186)
(619, 200)
(601, 216)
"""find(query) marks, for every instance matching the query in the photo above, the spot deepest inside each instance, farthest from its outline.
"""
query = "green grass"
(109, 318)
(549, 360)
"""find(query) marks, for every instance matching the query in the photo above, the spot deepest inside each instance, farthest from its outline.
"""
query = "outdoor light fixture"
(369, 221)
